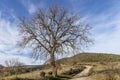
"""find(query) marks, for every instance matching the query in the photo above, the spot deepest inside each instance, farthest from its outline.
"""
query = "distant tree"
(53, 31)
(13, 65)
(14, 62)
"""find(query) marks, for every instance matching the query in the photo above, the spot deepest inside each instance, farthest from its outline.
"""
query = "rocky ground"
(84, 75)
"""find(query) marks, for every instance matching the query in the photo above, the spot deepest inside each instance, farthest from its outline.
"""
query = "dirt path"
(84, 74)
(82, 78)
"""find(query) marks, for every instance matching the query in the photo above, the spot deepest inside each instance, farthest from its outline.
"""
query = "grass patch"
(59, 77)
(107, 71)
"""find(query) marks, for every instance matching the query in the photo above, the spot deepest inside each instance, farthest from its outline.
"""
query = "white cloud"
(8, 40)
(32, 8)
(29, 6)
(106, 31)
(25, 60)
(106, 26)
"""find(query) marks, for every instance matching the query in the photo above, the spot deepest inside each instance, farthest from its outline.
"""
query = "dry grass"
(98, 74)
(31, 75)
(36, 74)
(107, 71)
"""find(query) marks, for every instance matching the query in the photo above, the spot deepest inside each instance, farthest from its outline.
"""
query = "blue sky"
(102, 15)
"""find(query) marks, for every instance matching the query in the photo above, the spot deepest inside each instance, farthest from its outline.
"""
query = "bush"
(12, 72)
(112, 70)
(110, 75)
(21, 79)
(74, 71)
(42, 75)
(50, 73)
(53, 78)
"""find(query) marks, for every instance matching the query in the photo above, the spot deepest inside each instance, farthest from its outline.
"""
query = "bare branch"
(54, 31)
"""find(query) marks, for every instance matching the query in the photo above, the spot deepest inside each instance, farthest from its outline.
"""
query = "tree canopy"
(54, 30)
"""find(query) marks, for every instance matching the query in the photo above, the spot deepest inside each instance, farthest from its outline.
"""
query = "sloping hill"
(90, 57)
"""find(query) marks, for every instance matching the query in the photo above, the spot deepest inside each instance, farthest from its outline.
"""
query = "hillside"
(90, 57)
(83, 58)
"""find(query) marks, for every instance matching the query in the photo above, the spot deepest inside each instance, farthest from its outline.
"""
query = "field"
(36, 74)
(102, 69)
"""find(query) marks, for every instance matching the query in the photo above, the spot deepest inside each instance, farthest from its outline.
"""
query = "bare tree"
(52, 31)
(13, 65)
(14, 62)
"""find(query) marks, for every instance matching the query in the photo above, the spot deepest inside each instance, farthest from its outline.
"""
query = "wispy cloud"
(106, 30)
(31, 8)
(8, 40)
(25, 60)
(104, 17)
(105, 21)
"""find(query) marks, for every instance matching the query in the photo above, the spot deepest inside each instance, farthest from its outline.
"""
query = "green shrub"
(50, 73)
(54, 78)
(17, 78)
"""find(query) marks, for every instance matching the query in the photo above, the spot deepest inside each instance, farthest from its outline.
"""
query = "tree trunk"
(52, 62)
